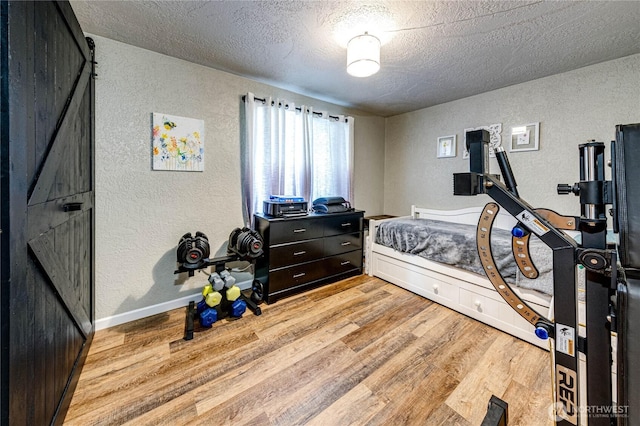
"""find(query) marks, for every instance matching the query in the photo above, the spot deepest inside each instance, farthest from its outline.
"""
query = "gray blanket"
(455, 244)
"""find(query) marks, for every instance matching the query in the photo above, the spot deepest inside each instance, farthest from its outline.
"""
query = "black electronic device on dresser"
(304, 252)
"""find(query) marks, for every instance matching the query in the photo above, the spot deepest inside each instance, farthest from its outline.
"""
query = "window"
(294, 151)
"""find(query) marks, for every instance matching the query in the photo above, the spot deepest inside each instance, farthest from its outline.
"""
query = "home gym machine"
(612, 287)
(220, 297)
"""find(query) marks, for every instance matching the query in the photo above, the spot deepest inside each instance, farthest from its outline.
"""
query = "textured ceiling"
(432, 51)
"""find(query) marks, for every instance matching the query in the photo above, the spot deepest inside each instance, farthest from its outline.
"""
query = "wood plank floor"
(361, 351)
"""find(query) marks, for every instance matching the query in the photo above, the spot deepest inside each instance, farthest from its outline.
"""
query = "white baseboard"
(148, 311)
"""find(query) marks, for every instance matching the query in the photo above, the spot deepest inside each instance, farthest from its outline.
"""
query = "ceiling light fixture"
(363, 55)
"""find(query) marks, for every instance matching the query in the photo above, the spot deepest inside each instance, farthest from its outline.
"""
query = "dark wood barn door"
(46, 158)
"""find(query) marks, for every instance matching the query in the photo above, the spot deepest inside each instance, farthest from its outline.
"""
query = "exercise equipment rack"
(219, 264)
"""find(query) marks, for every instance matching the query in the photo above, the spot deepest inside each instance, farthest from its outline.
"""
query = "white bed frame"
(465, 292)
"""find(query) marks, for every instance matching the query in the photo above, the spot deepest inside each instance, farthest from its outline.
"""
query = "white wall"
(572, 108)
(141, 214)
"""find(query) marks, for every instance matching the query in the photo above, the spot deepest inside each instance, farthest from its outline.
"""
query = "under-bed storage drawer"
(479, 303)
(488, 305)
(461, 291)
(418, 280)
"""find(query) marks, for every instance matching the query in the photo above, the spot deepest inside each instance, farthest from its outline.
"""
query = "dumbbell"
(229, 280)
(238, 308)
(202, 304)
(216, 281)
(208, 317)
(211, 297)
(233, 291)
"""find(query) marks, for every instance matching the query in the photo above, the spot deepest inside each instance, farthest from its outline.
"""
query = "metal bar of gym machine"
(565, 257)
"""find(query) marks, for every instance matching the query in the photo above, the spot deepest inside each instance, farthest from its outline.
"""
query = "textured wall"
(369, 165)
(572, 108)
(141, 214)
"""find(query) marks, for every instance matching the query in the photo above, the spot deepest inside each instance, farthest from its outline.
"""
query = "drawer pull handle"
(346, 224)
(346, 243)
(477, 303)
(299, 253)
(299, 230)
(345, 263)
(301, 274)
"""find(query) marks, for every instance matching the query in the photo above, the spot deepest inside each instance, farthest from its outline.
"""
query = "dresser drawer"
(342, 225)
(345, 262)
(293, 253)
(294, 230)
(304, 252)
(338, 244)
(293, 276)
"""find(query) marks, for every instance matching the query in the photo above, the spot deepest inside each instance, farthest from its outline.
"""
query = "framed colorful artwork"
(178, 143)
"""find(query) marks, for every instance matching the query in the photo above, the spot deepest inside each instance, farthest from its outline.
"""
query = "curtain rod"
(319, 114)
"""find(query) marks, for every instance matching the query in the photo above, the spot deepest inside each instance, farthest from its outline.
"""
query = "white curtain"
(294, 151)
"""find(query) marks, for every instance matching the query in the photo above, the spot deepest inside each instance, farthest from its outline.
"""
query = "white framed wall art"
(525, 137)
(446, 146)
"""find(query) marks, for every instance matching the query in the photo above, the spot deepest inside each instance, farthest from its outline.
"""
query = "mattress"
(455, 244)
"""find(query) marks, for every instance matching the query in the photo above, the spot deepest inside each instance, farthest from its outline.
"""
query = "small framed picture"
(525, 137)
(446, 146)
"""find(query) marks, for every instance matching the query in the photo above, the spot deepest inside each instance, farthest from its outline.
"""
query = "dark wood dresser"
(307, 251)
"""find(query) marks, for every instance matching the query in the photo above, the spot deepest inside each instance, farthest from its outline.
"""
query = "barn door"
(51, 185)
